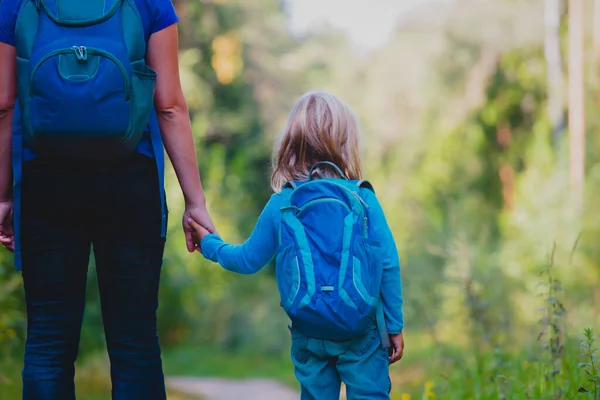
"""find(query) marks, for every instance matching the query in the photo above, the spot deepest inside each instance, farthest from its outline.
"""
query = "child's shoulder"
(275, 197)
(275, 201)
(369, 195)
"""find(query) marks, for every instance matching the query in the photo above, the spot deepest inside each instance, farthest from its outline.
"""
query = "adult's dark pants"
(67, 209)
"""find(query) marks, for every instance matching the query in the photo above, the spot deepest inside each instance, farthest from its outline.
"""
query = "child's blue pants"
(321, 365)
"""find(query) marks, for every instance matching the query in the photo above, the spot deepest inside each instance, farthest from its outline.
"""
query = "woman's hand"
(7, 238)
(197, 223)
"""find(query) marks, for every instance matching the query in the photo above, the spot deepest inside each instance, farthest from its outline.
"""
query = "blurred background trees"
(475, 117)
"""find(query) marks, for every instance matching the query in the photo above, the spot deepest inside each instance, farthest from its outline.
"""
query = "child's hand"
(199, 231)
(397, 347)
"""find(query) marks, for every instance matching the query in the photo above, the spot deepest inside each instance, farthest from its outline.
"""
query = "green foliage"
(458, 147)
(552, 330)
(12, 320)
(591, 366)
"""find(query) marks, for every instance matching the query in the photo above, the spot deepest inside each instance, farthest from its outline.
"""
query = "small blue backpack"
(83, 84)
(328, 270)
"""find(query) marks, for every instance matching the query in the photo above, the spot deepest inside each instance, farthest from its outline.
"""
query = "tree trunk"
(596, 34)
(576, 97)
(554, 70)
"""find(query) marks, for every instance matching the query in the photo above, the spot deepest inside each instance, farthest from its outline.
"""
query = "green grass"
(208, 361)
(443, 371)
(92, 381)
(450, 372)
(409, 376)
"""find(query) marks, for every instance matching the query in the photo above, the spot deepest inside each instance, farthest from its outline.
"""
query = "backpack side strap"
(365, 184)
(379, 315)
(381, 327)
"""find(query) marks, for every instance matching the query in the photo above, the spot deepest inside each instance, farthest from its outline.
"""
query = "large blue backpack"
(83, 84)
(328, 269)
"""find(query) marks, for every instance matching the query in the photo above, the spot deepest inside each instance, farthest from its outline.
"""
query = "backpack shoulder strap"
(286, 194)
(133, 31)
(26, 28)
(365, 184)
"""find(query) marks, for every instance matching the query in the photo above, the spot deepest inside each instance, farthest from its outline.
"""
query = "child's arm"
(391, 286)
(255, 253)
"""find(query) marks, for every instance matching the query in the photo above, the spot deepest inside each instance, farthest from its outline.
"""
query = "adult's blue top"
(155, 15)
(261, 247)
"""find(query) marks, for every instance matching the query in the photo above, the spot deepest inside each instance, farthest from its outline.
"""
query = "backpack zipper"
(313, 202)
(81, 52)
(364, 203)
(357, 196)
(354, 193)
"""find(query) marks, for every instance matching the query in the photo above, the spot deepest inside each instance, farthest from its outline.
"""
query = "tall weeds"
(591, 366)
(551, 334)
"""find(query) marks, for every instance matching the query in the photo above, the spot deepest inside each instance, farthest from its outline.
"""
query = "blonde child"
(337, 267)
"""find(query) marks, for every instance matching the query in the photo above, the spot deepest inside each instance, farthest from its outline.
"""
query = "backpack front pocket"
(367, 271)
(288, 276)
(78, 93)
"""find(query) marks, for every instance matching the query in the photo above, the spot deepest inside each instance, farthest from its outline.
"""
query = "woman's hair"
(320, 127)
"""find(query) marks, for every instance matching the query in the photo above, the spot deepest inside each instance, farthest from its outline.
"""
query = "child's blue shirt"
(261, 246)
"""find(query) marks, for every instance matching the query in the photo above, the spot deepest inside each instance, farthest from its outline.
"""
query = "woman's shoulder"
(9, 9)
(11, 4)
(157, 13)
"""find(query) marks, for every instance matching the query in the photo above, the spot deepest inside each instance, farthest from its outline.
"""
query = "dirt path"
(223, 389)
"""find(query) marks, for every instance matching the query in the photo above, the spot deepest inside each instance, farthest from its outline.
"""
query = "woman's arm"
(256, 252)
(174, 121)
(8, 94)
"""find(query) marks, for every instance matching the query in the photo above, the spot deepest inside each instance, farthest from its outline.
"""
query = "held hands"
(397, 347)
(7, 238)
(199, 232)
(201, 219)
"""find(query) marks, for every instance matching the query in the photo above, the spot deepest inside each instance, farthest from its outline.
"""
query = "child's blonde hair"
(321, 127)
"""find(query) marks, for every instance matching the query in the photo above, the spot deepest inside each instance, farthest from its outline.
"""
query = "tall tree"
(554, 68)
(596, 34)
(576, 96)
